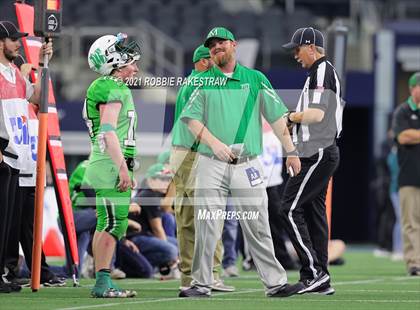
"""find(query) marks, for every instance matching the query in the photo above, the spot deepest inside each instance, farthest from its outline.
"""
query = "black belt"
(235, 161)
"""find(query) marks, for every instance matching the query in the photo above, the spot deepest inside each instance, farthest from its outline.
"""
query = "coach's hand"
(293, 162)
(222, 151)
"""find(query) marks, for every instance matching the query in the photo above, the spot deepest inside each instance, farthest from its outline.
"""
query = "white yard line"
(380, 291)
(324, 300)
(216, 296)
(155, 300)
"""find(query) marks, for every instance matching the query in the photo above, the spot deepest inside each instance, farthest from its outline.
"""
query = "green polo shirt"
(232, 111)
(181, 135)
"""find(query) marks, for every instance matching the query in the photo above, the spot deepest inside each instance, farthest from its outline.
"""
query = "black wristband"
(292, 153)
(40, 64)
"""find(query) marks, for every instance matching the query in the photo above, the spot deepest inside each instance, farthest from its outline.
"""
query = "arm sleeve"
(194, 109)
(272, 106)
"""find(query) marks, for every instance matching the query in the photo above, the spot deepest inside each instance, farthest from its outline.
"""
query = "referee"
(316, 125)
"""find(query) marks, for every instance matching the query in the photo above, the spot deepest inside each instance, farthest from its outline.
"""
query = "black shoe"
(20, 281)
(53, 282)
(324, 289)
(314, 284)
(4, 288)
(287, 290)
(414, 271)
(14, 288)
(338, 262)
(248, 265)
(195, 291)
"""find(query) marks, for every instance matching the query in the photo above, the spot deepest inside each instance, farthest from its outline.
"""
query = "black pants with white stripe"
(303, 208)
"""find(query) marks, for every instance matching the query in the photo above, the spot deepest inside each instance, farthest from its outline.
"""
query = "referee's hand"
(293, 162)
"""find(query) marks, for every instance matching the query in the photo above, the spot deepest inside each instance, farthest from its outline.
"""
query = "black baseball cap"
(304, 36)
(9, 30)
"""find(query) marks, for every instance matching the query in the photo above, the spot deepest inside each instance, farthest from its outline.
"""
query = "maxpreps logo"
(21, 136)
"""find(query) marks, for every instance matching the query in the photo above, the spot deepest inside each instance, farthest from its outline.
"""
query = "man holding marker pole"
(23, 211)
(15, 94)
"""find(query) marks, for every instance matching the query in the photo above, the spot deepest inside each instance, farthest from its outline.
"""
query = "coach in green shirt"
(181, 135)
(183, 157)
(226, 118)
(232, 112)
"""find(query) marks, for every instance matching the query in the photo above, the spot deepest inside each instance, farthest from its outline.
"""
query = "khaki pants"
(410, 218)
(183, 162)
(215, 180)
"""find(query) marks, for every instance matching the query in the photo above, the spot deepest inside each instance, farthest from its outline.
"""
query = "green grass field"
(364, 282)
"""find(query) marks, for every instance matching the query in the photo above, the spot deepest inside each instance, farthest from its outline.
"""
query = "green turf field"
(364, 282)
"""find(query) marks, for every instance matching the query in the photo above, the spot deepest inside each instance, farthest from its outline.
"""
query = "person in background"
(147, 232)
(406, 126)
(392, 163)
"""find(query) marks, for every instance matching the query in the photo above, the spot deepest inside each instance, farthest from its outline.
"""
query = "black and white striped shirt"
(322, 90)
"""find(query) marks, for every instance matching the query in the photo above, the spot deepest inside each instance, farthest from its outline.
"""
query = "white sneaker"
(381, 253)
(88, 270)
(220, 286)
(231, 272)
(117, 274)
(397, 257)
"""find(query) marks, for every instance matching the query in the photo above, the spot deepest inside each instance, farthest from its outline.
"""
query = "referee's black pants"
(277, 228)
(22, 232)
(303, 208)
(9, 179)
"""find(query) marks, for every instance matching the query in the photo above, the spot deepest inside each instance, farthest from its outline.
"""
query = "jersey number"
(130, 141)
